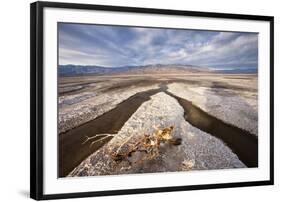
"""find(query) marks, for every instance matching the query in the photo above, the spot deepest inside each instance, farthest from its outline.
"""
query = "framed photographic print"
(136, 100)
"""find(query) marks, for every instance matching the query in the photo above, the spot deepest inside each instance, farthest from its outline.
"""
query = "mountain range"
(72, 70)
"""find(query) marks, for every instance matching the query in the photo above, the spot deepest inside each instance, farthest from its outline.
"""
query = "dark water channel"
(72, 152)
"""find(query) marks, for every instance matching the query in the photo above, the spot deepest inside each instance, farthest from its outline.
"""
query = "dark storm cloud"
(118, 46)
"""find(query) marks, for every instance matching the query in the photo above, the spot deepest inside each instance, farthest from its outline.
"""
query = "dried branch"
(104, 136)
(150, 144)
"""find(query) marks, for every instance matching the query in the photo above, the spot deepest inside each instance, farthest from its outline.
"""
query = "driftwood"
(149, 144)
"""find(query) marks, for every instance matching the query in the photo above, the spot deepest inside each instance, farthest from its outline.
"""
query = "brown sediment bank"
(72, 152)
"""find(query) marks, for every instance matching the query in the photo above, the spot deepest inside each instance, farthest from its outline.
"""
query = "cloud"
(114, 46)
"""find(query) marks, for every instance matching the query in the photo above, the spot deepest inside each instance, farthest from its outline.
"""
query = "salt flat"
(231, 98)
(203, 150)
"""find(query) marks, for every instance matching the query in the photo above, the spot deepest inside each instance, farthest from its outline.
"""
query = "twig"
(95, 136)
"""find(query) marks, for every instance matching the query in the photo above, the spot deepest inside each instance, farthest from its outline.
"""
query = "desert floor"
(214, 115)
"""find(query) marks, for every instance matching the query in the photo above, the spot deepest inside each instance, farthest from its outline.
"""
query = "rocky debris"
(232, 106)
(80, 108)
(196, 151)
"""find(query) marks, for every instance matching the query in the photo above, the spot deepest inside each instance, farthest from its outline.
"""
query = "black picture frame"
(36, 97)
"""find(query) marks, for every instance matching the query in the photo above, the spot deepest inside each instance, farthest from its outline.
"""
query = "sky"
(115, 46)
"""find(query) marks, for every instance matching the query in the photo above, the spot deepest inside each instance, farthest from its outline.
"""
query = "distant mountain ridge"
(239, 71)
(72, 70)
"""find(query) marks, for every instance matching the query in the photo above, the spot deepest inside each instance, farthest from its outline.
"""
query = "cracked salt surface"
(76, 98)
(198, 151)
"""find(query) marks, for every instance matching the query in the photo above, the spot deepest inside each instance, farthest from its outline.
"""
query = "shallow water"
(72, 152)
(242, 143)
